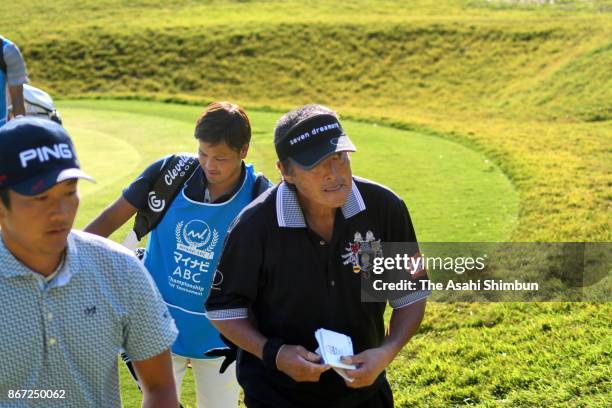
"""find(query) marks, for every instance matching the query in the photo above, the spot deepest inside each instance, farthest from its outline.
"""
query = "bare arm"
(242, 333)
(404, 324)
(157, 381)
(16, 92)
(112, 218)
(293, 360)
(370, 363)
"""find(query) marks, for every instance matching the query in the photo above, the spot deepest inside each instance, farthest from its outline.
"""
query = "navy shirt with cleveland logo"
(195, 187)
(290, 282)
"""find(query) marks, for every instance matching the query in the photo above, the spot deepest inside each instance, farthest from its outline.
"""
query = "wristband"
(270, 351)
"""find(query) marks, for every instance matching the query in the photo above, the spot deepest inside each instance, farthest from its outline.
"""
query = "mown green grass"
(527, 86)
(118, 139)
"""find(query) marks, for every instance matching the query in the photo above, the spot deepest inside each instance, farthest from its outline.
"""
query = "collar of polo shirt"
(289, 213)
(15, 268)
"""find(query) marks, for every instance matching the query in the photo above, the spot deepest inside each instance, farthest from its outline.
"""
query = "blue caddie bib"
(182, 256)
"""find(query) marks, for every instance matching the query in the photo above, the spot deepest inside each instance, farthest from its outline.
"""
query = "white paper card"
(341, 372)
(334, 345)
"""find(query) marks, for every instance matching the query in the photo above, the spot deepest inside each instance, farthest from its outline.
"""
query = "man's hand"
(300, 364)
(229, 353)
(370, 363)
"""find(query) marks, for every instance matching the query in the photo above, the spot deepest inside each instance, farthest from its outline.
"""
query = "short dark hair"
(4, 197)
(224, 122)
(287, 166)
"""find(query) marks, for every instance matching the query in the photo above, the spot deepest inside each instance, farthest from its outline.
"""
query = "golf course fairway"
(453, 193)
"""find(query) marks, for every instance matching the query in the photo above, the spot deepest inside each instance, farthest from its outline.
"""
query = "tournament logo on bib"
(196, 238)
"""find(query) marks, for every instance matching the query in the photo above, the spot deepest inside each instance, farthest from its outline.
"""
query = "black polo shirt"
(290, 282)
(195, 187)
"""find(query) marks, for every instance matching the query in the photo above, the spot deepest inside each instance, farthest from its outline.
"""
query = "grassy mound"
(527, 84)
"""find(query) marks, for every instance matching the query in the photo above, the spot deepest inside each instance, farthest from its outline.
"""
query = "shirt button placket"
(330, 269)
(48, 319)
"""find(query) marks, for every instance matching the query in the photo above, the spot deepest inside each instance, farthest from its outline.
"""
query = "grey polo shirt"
(16, 73)
(65, 334)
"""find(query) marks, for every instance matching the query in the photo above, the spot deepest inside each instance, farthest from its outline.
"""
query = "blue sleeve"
(138, 192)
(16, 73)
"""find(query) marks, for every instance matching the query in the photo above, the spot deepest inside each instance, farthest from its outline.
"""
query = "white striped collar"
(289, 214)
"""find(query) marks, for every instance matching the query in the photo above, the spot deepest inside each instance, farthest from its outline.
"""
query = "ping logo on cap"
(45, 153)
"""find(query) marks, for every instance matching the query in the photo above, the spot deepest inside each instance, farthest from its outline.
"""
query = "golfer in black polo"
(291, 265)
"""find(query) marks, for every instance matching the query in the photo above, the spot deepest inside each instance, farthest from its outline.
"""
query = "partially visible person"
(70, 300)
(13, 75)
(37, 103)
(184, 248)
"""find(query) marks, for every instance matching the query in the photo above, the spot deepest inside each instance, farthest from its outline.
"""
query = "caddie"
(185, 246)
(291, 264)
(70, 300)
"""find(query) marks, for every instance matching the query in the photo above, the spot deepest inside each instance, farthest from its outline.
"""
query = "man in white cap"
(70, 300)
